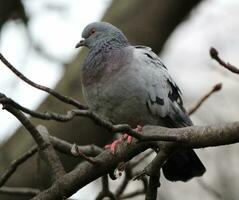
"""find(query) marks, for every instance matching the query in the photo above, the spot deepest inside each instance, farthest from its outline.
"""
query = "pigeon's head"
(100, 33)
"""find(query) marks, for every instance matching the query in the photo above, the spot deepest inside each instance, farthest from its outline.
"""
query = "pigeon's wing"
(164, 98)
(165, 102)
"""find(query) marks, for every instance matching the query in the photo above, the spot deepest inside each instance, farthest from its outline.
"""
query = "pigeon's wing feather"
(164, 98)
(164, 101)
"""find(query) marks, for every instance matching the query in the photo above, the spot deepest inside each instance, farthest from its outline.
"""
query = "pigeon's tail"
(183, 165)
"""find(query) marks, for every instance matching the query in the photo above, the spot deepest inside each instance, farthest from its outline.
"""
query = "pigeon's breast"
(119, 95)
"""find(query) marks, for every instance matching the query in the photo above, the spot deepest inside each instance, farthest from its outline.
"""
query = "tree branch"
(65, 147)
(46, 150)
(60, 145)
(214, 89)
(14, 165)
(105, 189)
(49, 155)
(65, 99)
(195, 136)
(127, 178)
(86, 172)
(215, 56)
(77, 152)
(19, 191)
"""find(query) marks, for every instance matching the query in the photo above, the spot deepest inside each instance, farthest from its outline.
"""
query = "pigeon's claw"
(112, 147)
(127, 137)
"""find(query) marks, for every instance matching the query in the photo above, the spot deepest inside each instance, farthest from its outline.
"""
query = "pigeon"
(130, 84)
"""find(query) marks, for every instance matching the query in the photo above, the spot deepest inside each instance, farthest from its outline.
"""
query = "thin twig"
(137, 192)
(133, 194)
(19, 191)
(70, 115)
(214, 89)
(214, 54)
(129, 175)
(41, 138)
(77, 152)
(27, 124)
(105, 189)
(14, 165)
(65, 147)
(127, 178)
(152, 189)
(57, 95)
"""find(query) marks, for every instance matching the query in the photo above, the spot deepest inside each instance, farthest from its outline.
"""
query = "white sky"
(186, 54)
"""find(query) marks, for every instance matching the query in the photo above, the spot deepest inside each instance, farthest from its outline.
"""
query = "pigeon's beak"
(80, 44)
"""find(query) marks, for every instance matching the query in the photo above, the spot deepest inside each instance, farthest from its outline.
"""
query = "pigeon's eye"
(93, 30)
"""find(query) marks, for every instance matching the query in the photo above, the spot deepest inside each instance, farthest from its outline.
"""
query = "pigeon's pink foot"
(124, 137)
(113, 145)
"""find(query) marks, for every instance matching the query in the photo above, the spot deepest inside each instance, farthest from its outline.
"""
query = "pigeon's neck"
(104, 46)
(97, 67)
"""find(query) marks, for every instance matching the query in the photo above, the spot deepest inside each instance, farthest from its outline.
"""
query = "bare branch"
(215, 56)
(46, 150)
(77, 152)
(127, 178)
(27, 124)
(70, 115)
(214, 89)
(86, 172)
(65, 147)
(133, 194)
(195, 136)
(153, 170)
(152, 190)
(19, 191)
(105, 189)
(49, 154)
(14, 165)
(60, 145)
(65, 99)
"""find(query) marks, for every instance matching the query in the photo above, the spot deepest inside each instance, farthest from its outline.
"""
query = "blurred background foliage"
(38, 37)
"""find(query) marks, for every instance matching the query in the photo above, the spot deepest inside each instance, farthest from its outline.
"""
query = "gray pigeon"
(130, 84)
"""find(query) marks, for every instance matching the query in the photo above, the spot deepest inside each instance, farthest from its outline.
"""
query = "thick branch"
(86, 172)
(19, 191)
(49, 154)
(195, 136)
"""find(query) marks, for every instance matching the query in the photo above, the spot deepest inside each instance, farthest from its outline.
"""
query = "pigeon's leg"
(124, 137)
